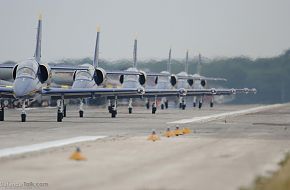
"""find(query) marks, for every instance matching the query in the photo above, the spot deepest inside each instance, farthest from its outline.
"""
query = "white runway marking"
(41, 146)
(224, 115)
(27, 109)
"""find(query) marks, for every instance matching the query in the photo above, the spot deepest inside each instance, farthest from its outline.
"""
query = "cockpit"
(27, 69)
(83, 75)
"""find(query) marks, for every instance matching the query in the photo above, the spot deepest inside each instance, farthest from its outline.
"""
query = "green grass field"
(280, 180)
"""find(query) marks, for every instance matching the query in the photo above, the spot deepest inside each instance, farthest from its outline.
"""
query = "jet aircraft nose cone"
(22, 87)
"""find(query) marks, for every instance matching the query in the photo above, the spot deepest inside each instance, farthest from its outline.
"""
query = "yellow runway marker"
(178, 131)
(153, 137)
(77, 155)
(186, 131)
(169, 133)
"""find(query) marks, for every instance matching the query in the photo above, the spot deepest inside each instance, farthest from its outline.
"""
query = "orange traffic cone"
(153, 137)
(186, 130)
(77, 155)
(178, 131)
(168, 133)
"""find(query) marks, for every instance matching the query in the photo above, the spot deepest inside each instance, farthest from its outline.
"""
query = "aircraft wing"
(122, 72)
(158, 74)
(163, 92)
(135, 73)
(67, 68)
(92, 93)
(201, 78)
(6, 92)
(6, 66)
(209, 78)
(218, 92)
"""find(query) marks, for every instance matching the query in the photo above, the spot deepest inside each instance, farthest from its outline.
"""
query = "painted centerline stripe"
(45, 145)
(224, 115)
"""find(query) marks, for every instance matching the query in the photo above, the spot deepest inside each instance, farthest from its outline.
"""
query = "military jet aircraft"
(185, 81)
(32, 78)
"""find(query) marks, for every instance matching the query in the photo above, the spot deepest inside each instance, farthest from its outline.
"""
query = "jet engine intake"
(14, 71)
(100, 76)
(203, 83)
(156, 80)
(44, 73)
(190, 82)
(121, 79)
(142, 78)
(173, 80)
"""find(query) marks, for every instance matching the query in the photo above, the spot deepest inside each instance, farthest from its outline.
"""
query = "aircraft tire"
(23, 117)
(166, 104)
(154, 110)
(183, 106)
(110, 109)
(64, 111)
(113, 113)
(199, 105)
(81, 113)
(130, 110)
(2, 114)
(147, 105)
(211, 104)
(162, 106)
(59, 117)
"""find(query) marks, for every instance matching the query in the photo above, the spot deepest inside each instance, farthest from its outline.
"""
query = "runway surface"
(222, 152)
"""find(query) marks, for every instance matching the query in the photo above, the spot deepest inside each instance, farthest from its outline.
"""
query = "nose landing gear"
(2, 111)
(23, 112)
(154, 106)
(130, 106)
(81, 111)
(114, 109)
(59, 110)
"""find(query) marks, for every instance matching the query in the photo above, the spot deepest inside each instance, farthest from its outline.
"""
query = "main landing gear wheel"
(162, 106)
(130, 110)
(23, 117)
(110, 109)
(183, 106)
(2, 114)
(199, 105)
(211, 104)
(194, 104)
(166, 104)
(147, 105)
(154, 108)
(59, 116)
(81, 113)
(64, 111)
(113, 113)
(180, 105)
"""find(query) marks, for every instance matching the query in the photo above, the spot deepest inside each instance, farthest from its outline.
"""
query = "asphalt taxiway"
(229, 146)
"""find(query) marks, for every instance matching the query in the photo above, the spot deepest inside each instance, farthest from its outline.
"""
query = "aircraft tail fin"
(169, 62)
(186, 62)
(96, 55)
(135, 54)
(37, 53)
(198, 69)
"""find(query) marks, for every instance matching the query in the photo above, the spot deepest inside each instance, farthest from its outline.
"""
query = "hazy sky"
(256, 28)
